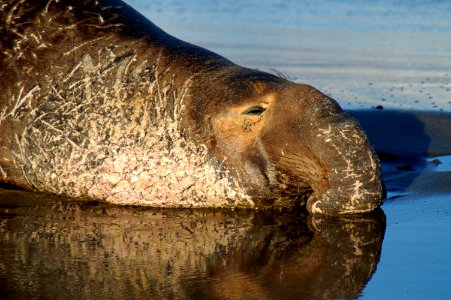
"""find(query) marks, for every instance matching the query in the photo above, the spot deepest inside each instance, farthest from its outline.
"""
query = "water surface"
(54, 246)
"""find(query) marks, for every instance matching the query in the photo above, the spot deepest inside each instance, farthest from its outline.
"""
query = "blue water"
(416, 254)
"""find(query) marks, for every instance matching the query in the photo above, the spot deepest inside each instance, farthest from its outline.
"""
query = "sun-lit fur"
(98, 102)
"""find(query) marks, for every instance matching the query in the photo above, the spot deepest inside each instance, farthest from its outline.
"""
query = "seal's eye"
(254, 111)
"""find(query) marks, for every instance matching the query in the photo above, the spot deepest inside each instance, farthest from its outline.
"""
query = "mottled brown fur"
(98, 102)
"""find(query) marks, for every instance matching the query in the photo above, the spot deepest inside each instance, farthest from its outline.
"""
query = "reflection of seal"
(99, 102)
(182, 254)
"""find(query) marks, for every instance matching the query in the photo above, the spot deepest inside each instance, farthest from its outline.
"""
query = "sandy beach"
(363, 54)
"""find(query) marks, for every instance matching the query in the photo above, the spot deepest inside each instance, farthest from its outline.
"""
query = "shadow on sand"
(404, 140)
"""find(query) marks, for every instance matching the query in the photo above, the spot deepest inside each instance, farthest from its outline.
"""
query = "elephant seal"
(98, 102)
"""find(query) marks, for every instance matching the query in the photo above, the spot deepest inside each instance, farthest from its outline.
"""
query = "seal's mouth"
(288, 191)
(293, 186)
(298, 177)
(282, 201)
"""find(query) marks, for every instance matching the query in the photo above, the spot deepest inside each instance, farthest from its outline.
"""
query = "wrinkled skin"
(291, 140)
(98, 102)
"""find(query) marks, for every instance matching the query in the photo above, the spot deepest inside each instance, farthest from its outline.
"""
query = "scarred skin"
(98, 102)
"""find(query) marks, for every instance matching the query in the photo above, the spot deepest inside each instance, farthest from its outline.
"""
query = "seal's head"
(289, 143)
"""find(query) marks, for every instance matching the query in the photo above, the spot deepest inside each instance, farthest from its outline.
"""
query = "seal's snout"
(325, 154)
(352, 182)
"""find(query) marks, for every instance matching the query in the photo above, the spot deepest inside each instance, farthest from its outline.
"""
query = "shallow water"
(391, 53)
(51, 246)
(415, 150)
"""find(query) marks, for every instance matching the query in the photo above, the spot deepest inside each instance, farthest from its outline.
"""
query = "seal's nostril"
(254, 111)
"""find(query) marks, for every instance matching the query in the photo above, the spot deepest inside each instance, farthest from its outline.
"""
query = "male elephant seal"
(96, 101)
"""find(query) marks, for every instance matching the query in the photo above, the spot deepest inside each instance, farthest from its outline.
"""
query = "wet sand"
(415, 150)
(414, 147)
(364, 54)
